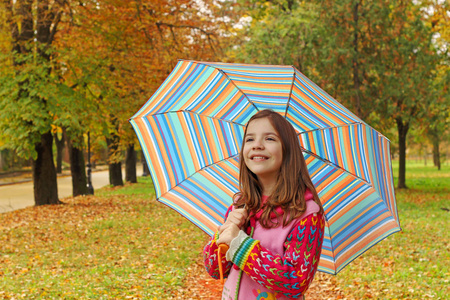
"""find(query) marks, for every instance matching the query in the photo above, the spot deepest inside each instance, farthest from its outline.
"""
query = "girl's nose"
(258, 145)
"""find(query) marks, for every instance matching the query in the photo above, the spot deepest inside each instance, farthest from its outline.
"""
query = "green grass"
(425, 178)
(414, 263)
(118, 244)
(123, 244)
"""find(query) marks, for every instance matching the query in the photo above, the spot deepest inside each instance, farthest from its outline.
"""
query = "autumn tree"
(438, 113)
(118, 52)
(28, 101)
(326, 40)
(275, 32)
(390, 61)
(386, 50)
(376, 57)
(406, 72)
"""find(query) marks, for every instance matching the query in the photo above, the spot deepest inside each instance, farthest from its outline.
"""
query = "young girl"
(274, 229)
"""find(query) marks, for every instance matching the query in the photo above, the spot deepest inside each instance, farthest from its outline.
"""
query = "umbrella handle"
(223, 248)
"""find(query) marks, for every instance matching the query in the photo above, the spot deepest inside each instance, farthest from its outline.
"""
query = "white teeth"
(258, 157)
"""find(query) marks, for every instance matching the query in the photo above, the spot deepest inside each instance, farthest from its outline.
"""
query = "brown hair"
(292, 182)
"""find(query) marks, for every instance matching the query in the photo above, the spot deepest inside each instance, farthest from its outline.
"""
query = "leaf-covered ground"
(123, 244)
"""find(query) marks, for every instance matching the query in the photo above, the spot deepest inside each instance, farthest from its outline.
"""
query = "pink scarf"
(273, 215)
(257, 216)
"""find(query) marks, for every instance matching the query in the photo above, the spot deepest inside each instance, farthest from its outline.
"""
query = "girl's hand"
(237, 217)
(227, 233)
(230, 229)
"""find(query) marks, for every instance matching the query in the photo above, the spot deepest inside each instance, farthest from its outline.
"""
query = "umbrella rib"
(199, 114)
(229, 79)
(207, 116)
(330, 127)
(219, 161)
(335, 166)
(290, 92)
(178, 184)
(347, 125)
(197, 171)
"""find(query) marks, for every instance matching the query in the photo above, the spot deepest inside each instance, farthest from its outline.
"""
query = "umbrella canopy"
(191, 132)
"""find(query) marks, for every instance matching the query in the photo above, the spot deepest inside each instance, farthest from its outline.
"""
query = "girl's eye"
(248, 140)
(270, 139)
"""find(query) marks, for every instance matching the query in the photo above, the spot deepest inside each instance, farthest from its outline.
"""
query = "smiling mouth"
(258, 158)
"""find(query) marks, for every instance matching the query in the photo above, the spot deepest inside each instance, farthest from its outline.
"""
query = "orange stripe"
(338, 148)
(185, 206)
(348, 207)
(337, 187)
(189, 140)
(160, 145)
(222, 142)
(367, 137)
(367, 239)
(185, 90)
(346, 210)
(306, 101)
(344, 140)
(210, 138)
(171, 85)
(220, 100)
(199, 140)
(362, 232)
(219, 184)
(153, 156)
(194, 213)
(201, 89)
(331, 112)
(357, 158)
(331, 178)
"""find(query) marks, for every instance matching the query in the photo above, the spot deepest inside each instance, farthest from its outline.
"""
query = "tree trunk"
(59, 152)
(44, 172)
(402, 132)
(33, 27)
(115, 174)
(356, 77)
(145, 170)
(130, 165)
(436, 153)
(115, 167)
(77, 170)
(424, 155)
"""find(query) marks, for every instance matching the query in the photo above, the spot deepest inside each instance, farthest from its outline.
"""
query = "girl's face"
(262, 151)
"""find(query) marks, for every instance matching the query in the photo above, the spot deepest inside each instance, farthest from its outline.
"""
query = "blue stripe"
(193, 134)
(359, 223)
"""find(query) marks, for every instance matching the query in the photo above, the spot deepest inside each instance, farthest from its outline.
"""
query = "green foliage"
(375, 57)
(369, 55)
(34, 101)
(278, 35)
(24, 112)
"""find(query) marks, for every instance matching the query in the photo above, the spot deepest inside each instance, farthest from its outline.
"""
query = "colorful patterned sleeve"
(289, 274)
(212, 261)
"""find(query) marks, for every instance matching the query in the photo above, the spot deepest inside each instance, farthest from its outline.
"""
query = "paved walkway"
(20, 195)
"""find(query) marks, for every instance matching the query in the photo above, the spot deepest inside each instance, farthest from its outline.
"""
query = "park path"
(15, 196)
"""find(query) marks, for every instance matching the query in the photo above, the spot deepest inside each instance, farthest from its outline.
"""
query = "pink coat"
(277, 263)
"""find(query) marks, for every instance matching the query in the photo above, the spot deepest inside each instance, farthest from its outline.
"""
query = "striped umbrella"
(191, 132)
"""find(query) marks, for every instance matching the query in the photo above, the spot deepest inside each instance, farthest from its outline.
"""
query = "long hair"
(292, 181)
